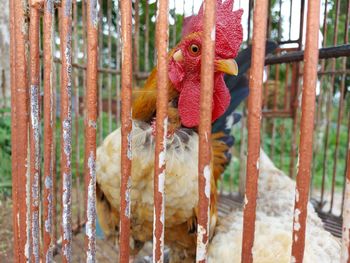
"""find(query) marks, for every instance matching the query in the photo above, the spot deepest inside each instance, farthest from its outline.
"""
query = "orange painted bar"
(126, 127)
(254, 124)
(161, 130)
(306, 131)
(204, 130)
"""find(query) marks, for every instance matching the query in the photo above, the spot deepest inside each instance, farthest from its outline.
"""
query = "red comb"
(229, 32)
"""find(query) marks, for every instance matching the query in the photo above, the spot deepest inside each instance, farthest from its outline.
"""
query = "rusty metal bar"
(76, 109)
(146, 36)
(126, 127)
(21, 118)
(306, 131)
(296, 56)
(55, 81)
(15, 209)
(162, 30)
(254, 118)
(136, 35)
(277, 113)
(90, 129)
(345, 248)
(336, 72)
(346, 39)
(341, 104)
(242, 154)
(325, 97)
(109, 79)
(49, 116)
(118, 56)
(286, 89)
(204, 130)
(66, 128)
(34, 136)
(100, 75)
(294, 106)
(329, 113)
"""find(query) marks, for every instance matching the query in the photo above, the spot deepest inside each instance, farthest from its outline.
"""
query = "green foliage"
(5, 151)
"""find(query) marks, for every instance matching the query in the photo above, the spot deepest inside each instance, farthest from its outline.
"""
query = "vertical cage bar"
(254, 119)
(77, 107)
(346, 40)
(161, 130)
(109, 83)
(294, 102)
(21, 125)
(49, 115)
(34, 127)
(330, 109)
(66, 128)
(136, 36)
(100, 75)
(345, 248)
(126, 127)
(340, 110)
(147, 36)
(118, 56)
(90, 130)
(15, 210)
(204, 130)
(306, 131)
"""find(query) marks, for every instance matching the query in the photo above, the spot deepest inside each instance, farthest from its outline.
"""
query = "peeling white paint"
(35, 236)
(129, 150)
(258, 163)
(127, 198)
(207, 173)
(245, 201)
(91, 210)
(296, 219)
(212, 34)
(201, 252)
(67, 214)
(293, 260)
(161, 158)
(296, 195)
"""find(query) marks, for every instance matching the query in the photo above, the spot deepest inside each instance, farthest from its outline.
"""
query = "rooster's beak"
(228, 66)
(178, 56)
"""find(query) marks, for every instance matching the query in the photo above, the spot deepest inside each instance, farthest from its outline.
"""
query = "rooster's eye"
(194, 49)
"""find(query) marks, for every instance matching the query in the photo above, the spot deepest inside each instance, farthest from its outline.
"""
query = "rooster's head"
(185, 62)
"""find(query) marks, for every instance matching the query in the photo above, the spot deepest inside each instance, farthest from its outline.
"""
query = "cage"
(76, 67)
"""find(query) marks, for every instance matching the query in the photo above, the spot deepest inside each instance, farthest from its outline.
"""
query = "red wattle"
(189, 102)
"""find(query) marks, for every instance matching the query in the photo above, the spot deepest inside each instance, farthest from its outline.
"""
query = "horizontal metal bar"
(277, 113)
(137, 75)
(328, 52)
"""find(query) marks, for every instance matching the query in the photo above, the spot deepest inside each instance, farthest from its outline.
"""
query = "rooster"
(181, 181)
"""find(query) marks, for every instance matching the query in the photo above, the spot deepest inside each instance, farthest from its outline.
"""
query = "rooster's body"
(181, 180)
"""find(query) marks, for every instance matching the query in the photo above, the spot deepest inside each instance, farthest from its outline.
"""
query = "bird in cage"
(181, 179)
(273, 225)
